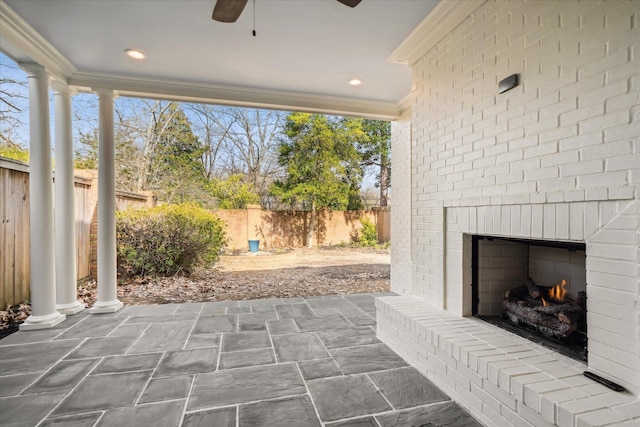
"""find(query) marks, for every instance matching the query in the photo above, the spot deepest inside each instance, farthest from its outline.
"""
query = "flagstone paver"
(223, 417)
(319, 368)
(277, 362)
(63, 376)
(161, 389)
(245, 385)
(136, 362)
(346, 397)
(288, 412)
(166, 414)
(81, 420)
(98, 392)
(296, 347)
(241, 359)
(445, 414)
(12, 385)
(182, 362)
(366, 358)
(406, 388)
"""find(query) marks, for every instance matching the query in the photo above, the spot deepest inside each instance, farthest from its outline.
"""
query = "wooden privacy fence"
(14, 226)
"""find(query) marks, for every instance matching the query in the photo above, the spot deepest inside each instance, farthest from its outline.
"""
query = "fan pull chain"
(254, 18)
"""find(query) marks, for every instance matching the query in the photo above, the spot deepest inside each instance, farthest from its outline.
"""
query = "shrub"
(368, 235)
(168, 239)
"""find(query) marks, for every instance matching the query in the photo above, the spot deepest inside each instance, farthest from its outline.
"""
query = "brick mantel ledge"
(501, 378)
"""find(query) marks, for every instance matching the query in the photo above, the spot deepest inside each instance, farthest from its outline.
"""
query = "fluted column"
(107, 293)
(41, 236)
(65, 224)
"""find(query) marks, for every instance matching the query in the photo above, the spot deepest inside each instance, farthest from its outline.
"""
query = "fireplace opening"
(533, 288)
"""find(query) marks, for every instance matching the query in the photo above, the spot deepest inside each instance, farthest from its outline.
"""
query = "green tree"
(375, 150)
(171, 156)
(321, 165)
(155, 150)
(86, 152)
(14, 151)
(233, 192)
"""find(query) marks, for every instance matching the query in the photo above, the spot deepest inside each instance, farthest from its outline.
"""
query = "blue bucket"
(254, 245)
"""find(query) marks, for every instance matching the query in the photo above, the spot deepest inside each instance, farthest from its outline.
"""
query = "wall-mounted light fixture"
(508, 83)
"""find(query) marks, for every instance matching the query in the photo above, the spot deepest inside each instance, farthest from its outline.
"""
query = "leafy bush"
(168, 239)
(368, 235)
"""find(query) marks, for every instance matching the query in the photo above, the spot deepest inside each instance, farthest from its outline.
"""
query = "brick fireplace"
(555, 159)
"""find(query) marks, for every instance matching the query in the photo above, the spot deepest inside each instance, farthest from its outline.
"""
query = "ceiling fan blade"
(228, 10)
(350, 3)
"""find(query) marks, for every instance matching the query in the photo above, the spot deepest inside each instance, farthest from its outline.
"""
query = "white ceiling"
(304, 49)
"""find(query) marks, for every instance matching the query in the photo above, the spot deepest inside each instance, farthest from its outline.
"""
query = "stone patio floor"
(279, 362)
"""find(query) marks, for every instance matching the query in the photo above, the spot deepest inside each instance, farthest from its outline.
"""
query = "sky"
(84, 110)
(84, 104)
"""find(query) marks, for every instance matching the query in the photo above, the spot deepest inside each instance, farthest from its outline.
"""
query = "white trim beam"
(237, 96)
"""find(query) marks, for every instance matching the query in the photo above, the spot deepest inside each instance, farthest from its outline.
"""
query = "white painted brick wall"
(567, 137)
(569, 132)
(401, 265)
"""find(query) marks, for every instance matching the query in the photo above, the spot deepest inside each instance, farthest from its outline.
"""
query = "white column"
(41, 240)
(65, 222)
(107, 293)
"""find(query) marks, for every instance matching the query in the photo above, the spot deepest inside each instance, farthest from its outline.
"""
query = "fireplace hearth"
(506, 294)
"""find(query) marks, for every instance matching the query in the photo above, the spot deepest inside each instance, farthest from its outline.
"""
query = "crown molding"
(447, 15)
(21, 42)
(232, 95)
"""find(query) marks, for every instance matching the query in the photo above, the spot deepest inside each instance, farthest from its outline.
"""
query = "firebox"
(534, 288)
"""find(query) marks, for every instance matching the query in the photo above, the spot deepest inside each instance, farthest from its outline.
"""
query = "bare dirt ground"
(265, 274)
(278, 274)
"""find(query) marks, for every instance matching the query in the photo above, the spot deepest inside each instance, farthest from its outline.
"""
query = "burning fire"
(544, 303)
(558, 292)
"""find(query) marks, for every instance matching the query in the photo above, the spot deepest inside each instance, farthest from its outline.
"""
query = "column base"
(42, 322)
(69, 309)
(106, 307)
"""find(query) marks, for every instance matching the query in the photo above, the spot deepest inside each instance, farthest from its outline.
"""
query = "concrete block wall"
(567, 133)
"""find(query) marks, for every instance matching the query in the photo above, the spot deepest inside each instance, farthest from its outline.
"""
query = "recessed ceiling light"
(355, 82)
(135, 54)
